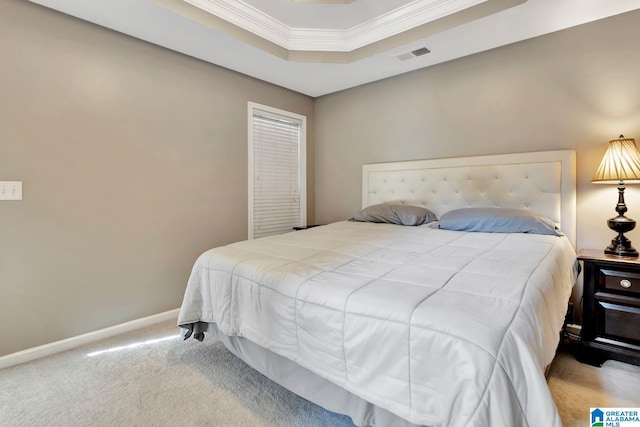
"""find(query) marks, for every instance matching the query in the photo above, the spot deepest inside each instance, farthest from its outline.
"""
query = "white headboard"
(541, 181)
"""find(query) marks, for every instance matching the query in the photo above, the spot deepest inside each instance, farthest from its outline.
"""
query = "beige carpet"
(576, 387)
(137, 382)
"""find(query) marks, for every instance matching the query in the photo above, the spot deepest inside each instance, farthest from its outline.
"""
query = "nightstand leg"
(590, 356)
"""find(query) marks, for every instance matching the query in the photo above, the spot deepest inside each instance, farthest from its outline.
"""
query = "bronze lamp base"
(620, 245)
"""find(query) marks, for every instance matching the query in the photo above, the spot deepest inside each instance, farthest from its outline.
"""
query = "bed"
(404, 325)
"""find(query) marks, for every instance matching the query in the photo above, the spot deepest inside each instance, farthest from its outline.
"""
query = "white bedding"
(439, 327)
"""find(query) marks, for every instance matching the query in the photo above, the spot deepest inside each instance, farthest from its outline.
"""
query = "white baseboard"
(73, 342)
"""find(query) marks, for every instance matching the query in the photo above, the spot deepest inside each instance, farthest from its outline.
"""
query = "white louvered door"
(277, 179)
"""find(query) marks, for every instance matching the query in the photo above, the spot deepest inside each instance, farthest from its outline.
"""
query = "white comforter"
(442, 328)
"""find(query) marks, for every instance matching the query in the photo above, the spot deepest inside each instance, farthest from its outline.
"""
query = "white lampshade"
(621, 163)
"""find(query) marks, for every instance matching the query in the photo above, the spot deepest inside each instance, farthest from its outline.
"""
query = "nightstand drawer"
(611, 308)
(620, 281)
(620, 321)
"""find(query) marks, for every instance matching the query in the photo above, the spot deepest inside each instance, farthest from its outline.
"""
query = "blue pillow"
(498, 220)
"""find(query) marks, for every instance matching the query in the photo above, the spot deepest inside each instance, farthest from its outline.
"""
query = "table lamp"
(620, 165)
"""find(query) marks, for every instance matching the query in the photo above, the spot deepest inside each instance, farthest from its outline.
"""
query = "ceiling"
(319, 47)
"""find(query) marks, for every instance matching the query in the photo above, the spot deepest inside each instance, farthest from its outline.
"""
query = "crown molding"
(404, 18)
(324, 1)
(247, 17)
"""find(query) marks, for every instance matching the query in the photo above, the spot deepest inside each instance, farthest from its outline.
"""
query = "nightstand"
(305, 227)
(611, 308)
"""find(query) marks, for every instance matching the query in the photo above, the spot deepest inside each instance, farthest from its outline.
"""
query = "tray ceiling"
(323, 47)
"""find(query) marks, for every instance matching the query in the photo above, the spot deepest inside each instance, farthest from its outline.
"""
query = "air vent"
(413, 53)
(421, 51)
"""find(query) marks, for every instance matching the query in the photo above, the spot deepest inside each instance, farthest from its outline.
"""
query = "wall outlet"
(10, 190)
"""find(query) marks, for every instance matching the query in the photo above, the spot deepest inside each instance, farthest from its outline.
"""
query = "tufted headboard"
(541, 181)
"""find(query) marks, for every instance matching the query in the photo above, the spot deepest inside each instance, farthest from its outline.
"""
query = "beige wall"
(575, 89)
(134, 157)
(133, 160)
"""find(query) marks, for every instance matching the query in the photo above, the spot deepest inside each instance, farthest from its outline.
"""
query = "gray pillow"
(395, 214)
(498, 220)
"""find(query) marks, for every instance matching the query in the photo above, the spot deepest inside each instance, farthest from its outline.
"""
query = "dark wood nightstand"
(611, 308)
(305, 227)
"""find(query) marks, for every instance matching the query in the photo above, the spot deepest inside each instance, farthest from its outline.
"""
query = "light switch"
(10, 190)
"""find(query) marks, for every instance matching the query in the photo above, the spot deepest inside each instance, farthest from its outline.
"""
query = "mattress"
(438, 327)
